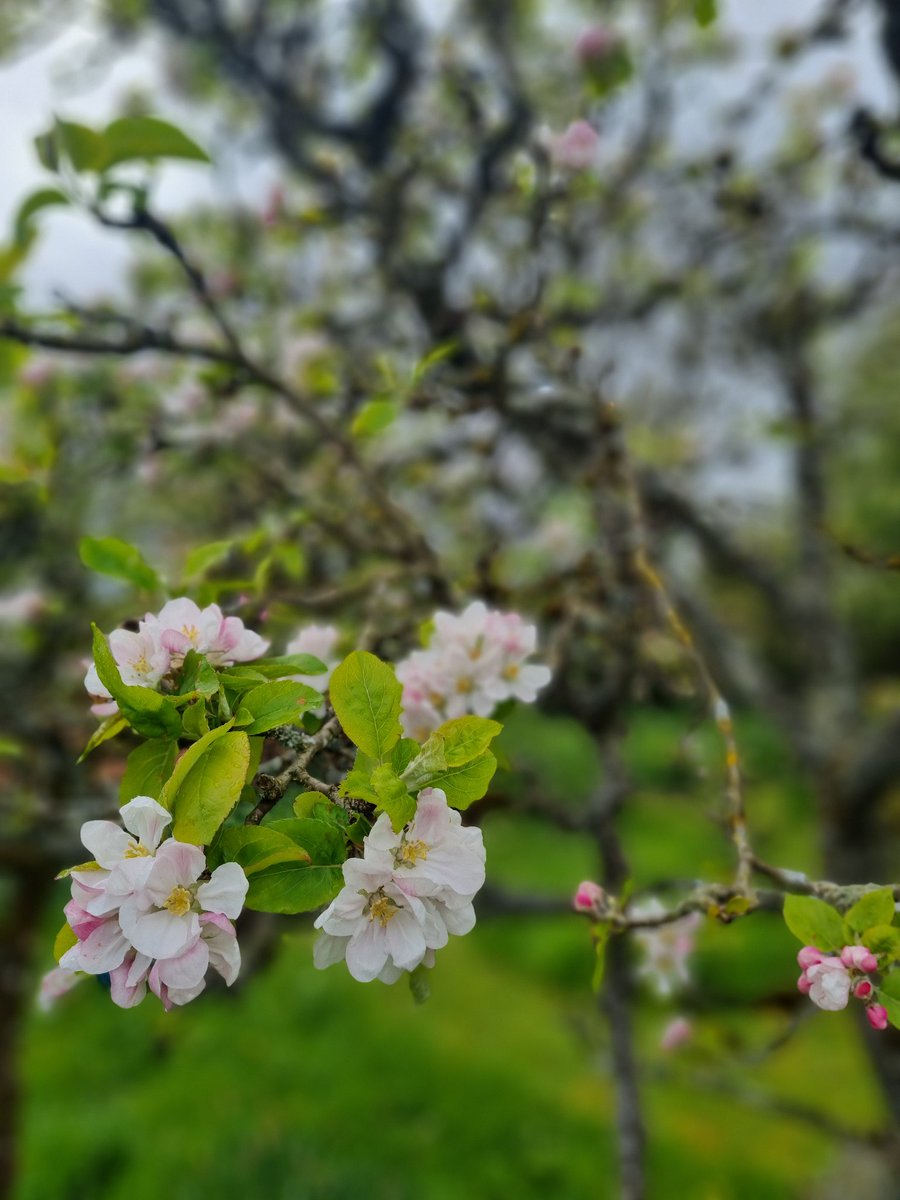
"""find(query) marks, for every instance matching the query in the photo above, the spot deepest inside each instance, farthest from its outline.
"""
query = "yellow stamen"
(179, 901)
(382, 910)
(511, 672)
(136, 850)
(411, 852)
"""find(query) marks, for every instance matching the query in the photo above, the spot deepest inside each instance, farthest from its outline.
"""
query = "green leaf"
(280, 703)
(108, 728)
(403, 754)
(890, 985)
(195, 721)
(393, 796)
(292, 887)
(705, 12)
(81, 145)
(305, 803)
(111, 556)
(374, 417)
(358, 782)
(206, 784)
(466, 738)
(814, 922)
(199, 561)
(197, 676)
(42, 198)
(893, 1008)
(883, 941)
(131, 138)
(255, 847)
(874, 908)
(366, 695)
(600, 933)
(63, 941)
(149, 766)
(148, 712)
(284, 664)
(462, 785)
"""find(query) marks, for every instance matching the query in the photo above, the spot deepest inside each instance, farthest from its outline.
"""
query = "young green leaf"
(206, 784)
(149, 766)
(366, 696)
(108, 728)
(463, 784)
(292, 887)
(883, 941)
(282, 702)
(131, 138)
(358, 782)
(814, 922)
(281, 665)
(254, 848)
(393, 796)
(111, 556)
(874, 908)
(64, 941)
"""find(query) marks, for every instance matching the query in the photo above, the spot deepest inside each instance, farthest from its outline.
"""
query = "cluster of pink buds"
(829, 979)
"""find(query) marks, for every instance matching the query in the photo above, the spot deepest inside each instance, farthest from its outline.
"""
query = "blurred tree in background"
(547, 299)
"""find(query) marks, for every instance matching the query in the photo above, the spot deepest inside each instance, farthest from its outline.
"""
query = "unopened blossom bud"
(804, 984)
(877, 1016)
(575, 149)
(589, 897)
(863, 989)
(809, 956)
(859, 958)
(595, 44)
(676, 1033)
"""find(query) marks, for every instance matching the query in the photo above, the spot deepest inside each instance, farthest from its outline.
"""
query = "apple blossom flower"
(162, 919)
(859, 958)
(320, 641)
(588, 898)
(474, 661)
(829, 983)
(575, 149)
(434, 855)
(676, 1033)
(181, 625)
(123, 857)
(666, 948)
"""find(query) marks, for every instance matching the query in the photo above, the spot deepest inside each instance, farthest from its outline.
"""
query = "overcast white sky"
(84, 261)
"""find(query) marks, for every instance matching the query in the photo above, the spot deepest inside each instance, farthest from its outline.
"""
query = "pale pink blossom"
(181, 625)
(141, 659)
(666, 947)
(575, 149)
(56, 983)
(829, 983)
(808, 956)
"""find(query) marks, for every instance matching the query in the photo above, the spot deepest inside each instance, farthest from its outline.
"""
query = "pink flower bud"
(809, 956)
(859, 958)
(804, 984)
(863, 989)
(595, 44)
(678, 1031)
(877, 1015)
(575, 149)
(589, 897)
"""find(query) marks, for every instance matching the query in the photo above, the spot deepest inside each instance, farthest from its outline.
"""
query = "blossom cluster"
(146, 657)
(405, 896)
(146, 912)
(473, 662)
(319, 641)
(829, 980)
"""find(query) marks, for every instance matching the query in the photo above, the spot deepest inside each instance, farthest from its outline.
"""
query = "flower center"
(511, 672)
(179, 901)
(382, 909)
(465, 685)
(136, 850)
(192, 633)
(410, 853)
